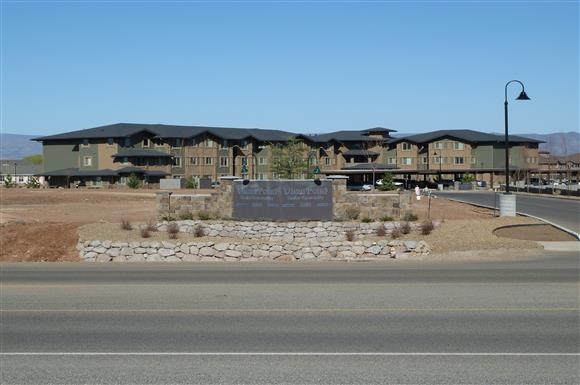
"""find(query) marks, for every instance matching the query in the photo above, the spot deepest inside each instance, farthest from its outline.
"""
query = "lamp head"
(523, 96)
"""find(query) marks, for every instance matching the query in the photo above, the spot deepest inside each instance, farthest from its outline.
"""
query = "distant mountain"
(558, 143)
(14, 146)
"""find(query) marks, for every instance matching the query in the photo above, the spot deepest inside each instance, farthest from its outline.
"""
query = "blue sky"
(303, 66)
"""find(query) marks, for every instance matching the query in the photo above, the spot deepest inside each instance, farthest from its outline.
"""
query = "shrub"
(350, 234)
(467, 178)
(386, 218)
(151, 226)
(126, 224)
(406, 228)
(204, 215)
(426, 227)
(8, 182)
(145, 233)
(381, 231)
(190, 183)
(133, 181)
(396, 232)
(410, 217)
(366, 220)
(33, 183)
(185, 215)
(168, 217)
(352, 212)
(198, 231)
(172, 230)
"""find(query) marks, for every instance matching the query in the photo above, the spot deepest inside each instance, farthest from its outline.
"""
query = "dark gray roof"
(105, 172)
(140, 152)
(121, 130)
(469, 136)
(370, 166)
(360, 152)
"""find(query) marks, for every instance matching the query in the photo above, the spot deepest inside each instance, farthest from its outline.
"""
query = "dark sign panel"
(283, 199)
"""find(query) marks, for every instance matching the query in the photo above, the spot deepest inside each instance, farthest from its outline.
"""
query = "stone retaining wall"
(260, 241)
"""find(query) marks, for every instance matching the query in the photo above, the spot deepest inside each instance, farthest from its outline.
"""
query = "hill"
(14, 146)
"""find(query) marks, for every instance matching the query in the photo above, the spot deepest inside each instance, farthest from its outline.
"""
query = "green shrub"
(167, 217)
(467, 178)
(8, 182)
(386, 218)
(190, 183)
(366, 220)
(352, 212)
(204, 215)
(33, 183)
(133, 181)
(410, 217)
(185, 215)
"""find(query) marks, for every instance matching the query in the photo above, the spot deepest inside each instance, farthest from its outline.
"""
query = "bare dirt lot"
(44, 225)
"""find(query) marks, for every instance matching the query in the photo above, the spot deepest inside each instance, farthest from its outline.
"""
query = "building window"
(208, 143)
(406, 161)
(208, 160)
(87, 161)
(438, 145)
(406, 146)
(458, 160)
(391, 160)
(224, 144)
(193, 161)
(424, 160)
(262, 161)
(327, 161)
(176, 143)
(145, 142)
(127, 142)
(85, 143)
(177, 161)
(473, 160)
(223, 161)
(458, 145)
(110, 141)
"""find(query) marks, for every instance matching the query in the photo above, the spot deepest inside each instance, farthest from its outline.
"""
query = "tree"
(34, 159)
(387, 183)
(8, 183)
(33, 183)
(467, 178)
(133, 181)
(289, 161)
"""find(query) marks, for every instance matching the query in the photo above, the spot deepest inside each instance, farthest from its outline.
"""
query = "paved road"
(513, 322)
(562, 212)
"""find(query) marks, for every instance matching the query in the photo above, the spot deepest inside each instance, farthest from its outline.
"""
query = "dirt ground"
(44, 225)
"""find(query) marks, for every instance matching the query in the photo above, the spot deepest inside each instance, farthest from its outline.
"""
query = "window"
(208, 160)
(328, 161)
(223, 161)
(127, 142)
(458, 145)
(391, 160)
(145, 142)
(208, 143)
(193, 161)
(176, 143)
(458, 160)
(110, 141)
(87, 161)
(438, 145)
(474, 160)
(424, 160)
(224, 144)
(262, 161)
(85, 143)
(407, 160)
(177, 161)
(406, 146)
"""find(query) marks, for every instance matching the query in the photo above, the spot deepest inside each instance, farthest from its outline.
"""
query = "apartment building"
(107, 155)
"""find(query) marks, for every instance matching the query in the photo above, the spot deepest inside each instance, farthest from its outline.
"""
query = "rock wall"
(346, 204)
(260, 241)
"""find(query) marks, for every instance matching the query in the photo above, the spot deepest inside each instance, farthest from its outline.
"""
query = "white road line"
(332, 354)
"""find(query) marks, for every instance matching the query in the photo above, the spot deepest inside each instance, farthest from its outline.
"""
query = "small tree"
(133, 181)
(467, 178)
(387, 183)
(33, 183)
(8, 182)
(34, 159)
(190, 183)
(289, 161)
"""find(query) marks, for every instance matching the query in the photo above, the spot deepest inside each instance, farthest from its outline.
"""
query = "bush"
(467, 178)
(198, 231)
(410, 217)
(190, 183)
(406, 228)
(366, 220)
(381, 231)
(33, 183)
(168, 217)
(8, 182)
(204, 215)
(386, 218)
(352, 212)
(172, 230)
(185, 215)
(145, 233)
(396, 232)
(350, 234)
(151, 226)
(426, 227)
(133, 181)
(126, 224)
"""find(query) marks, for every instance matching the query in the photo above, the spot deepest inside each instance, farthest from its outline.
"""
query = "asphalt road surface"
(360, 323)
(564, 213)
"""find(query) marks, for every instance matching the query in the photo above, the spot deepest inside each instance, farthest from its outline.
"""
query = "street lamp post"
(509, 208)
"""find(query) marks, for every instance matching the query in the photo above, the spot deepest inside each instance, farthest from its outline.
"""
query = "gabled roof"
(468, 136)
(121, 130)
